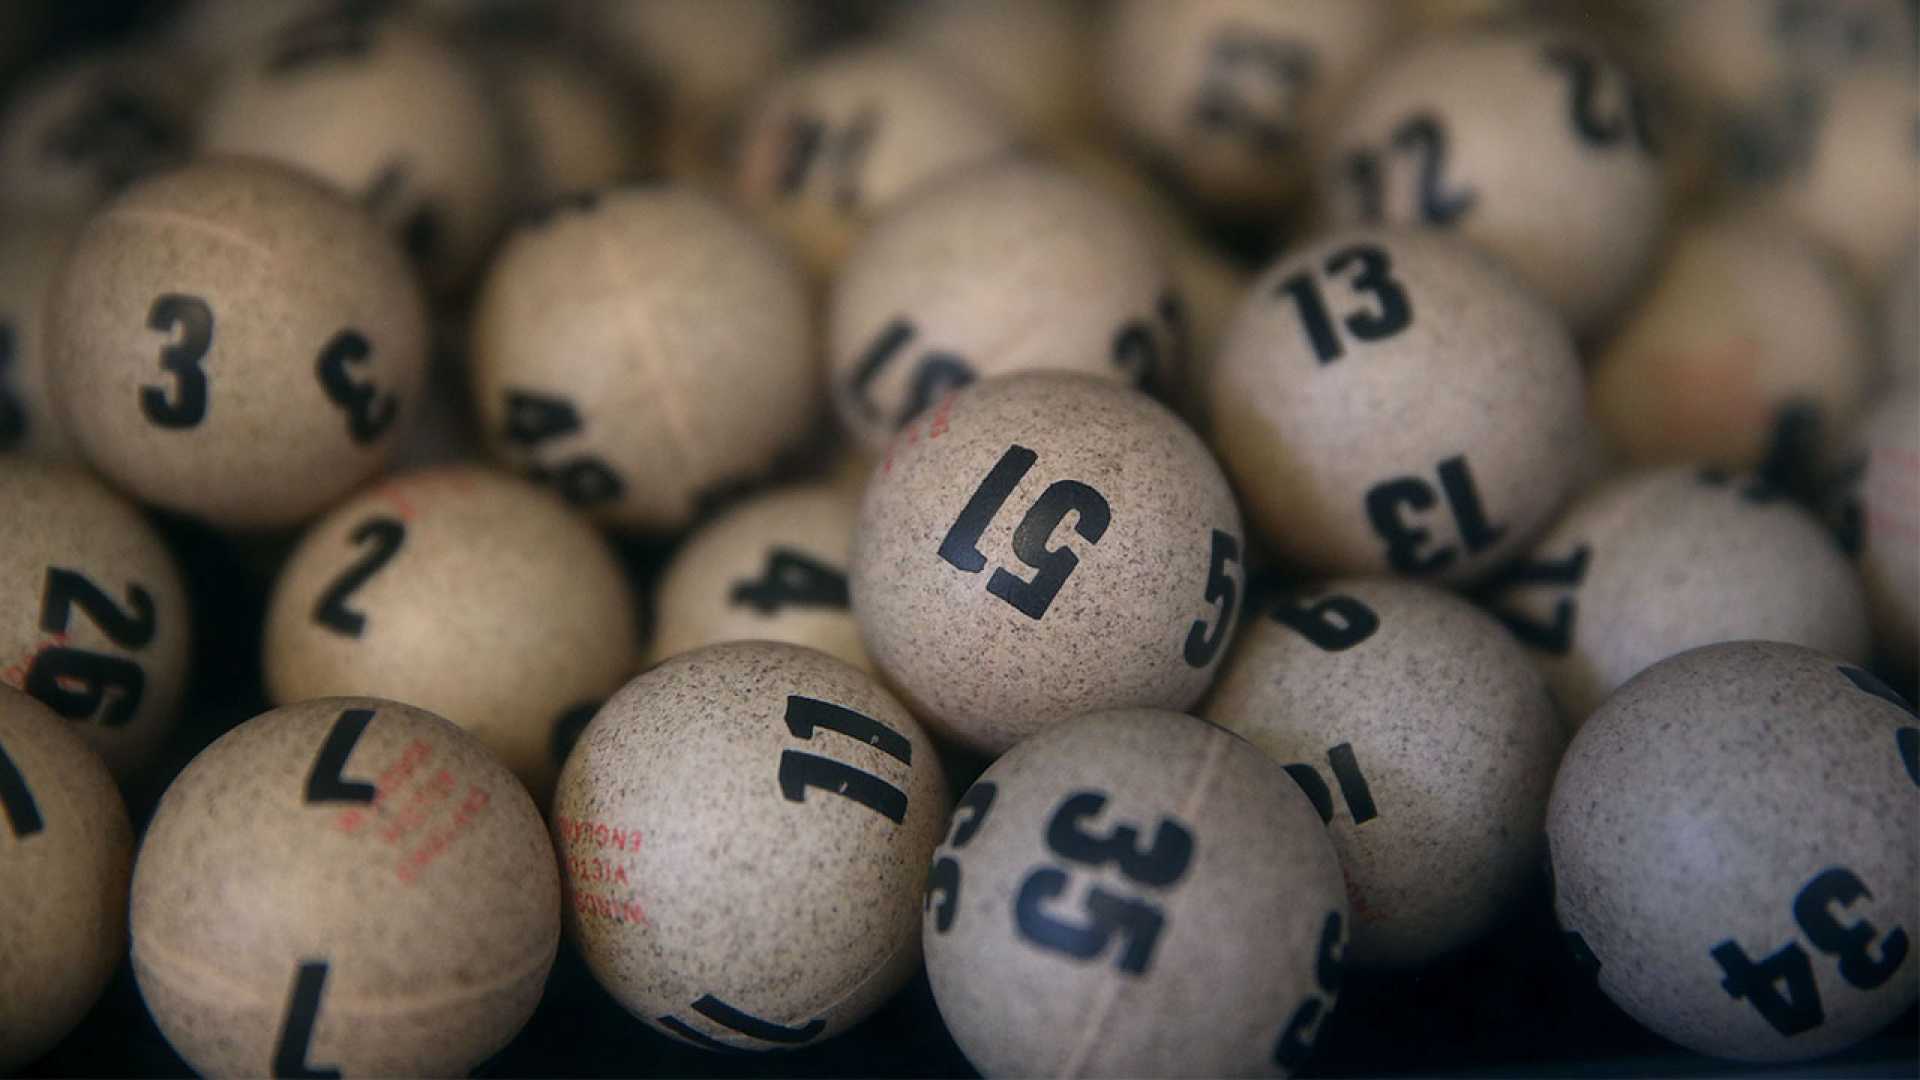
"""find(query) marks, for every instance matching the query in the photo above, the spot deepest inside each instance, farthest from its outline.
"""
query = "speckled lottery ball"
(1495, 135)
(1042, 545)
(1424, 736)
(66, 849)
(347, 886)
(464, 591)
(744, 832)
(1747, 335)
(387, 112)
(1732, 838)
(93, 612)
(1011, 266)
(234, 342)
(1394, 402)
(773, 568)
(1135, 893)
(1882, 523)
(1232, 95)
(640, 349)
(1652, 563)
(831, 143)
(31, 247)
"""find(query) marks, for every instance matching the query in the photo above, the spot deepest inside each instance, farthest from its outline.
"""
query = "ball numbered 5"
(1042, 545)
(1135, 893)
(93, 612)
(1732, 838)
(344, 886)
(744, 831)
(234, 342)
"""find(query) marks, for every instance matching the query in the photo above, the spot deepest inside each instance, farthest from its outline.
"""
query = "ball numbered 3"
(1135, 893)
(744, 831)
(343, 886)
(234, 342)
(1732, 839)
(1041, 545)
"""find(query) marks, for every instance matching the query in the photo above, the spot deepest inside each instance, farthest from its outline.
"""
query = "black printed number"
(369, 414)
(935, 374)
(1251, 88)
(184, 404)
(1587, 83)
(1202, 645)
(13, 415)
(1421, 139)
(1347, 774)
(1136, 920)
(384, 535)
(743, 1022)
(1906, 740)
(80, 684)
(1333, 624)
(1387, 504)
(1781, 987)
(837, 153)
(534, 419)
(1143, 346)
(1555, 637)
(327, 782)
(1296, 1040)
(800, 771)
(1390, 310)
(943, 878)
(792, 579)
(296, 1029)
(1030, 597)
(23, 814)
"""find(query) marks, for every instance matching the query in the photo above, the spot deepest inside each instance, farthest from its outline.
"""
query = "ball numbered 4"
(93, 612)
(1135, 893)
(1396, 402)
(234, 342)
(66, 850)
(1041, 545)
(744, 832)
(1732, 839)
(346, 884)
(1424, 736)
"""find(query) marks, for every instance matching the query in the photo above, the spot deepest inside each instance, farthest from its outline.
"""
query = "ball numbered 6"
(234, 342)
(344, 886)
(1041, 545)
(93, 612)
(744, 831)
(1135, 893)
(1394, 402)
(1732, 838)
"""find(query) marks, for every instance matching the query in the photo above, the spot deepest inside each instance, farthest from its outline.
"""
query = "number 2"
(331, 610)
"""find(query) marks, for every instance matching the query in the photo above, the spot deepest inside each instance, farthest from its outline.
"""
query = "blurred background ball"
(31, 247)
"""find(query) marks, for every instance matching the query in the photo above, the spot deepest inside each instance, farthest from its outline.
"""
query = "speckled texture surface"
(885, 123)
(676, 335)
(1227, 93)
(1483, 372)
(60, 521)
(1242, 959)
(1694, 809)
(1744, 318)
(1452, 742)
(496, 607)
(1514, 160)
(1674, 561)
(284, 267)
(1115, 634)
(66, 850)
(400, 122)
(1010, 266)
(773, 568)
(697, 868)
(423, 878)
(31, 247)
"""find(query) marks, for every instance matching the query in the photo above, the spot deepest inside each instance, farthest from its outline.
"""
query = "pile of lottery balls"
(1120, 519)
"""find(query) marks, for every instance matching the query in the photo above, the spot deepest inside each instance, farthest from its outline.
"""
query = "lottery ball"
(1737, 55)
(1424, 736)
(1652, 563)
(75, 134)
(388, 113)
(773, 568)
(233, 342)
(1006, 267)
(1494, 135)
(1030, 55)
(744, 831)
(343, 886)
(468, 592)
(1394, 402)
(1135, 893)
(66, 850)
(835, 141)
(702, 58)
(1232, 96)
(1747, 328)
(93, 612)
(31, 247)
(567, 129)
(1732, 840)
(1042, 545)
(640, 349)
(1884, 525)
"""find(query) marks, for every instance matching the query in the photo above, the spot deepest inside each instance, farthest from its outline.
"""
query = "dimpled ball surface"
(1732, 840)
(349, 884)
(1041, 545)
(1135, 893)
